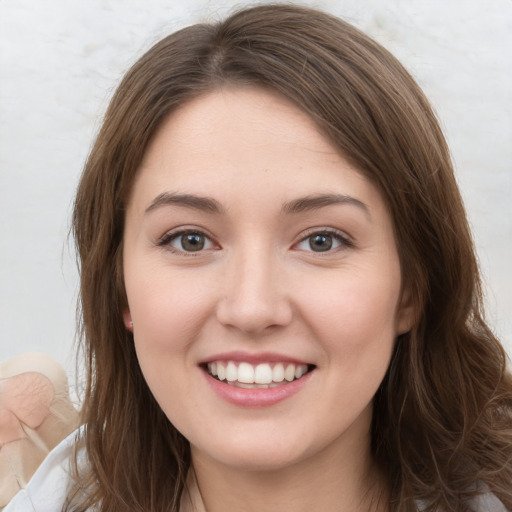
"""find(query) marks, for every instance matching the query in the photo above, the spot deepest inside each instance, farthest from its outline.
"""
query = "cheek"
(355, 312)
(166, 308)
(167, 318)
(355, 324)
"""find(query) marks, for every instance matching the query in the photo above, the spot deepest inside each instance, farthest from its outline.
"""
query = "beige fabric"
(35, 415)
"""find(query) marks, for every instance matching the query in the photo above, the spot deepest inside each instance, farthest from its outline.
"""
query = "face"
(263, 283)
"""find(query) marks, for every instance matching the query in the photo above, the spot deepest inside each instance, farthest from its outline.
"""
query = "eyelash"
(339, 236)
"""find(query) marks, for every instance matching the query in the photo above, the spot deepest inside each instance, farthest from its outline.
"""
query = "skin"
(259, 286)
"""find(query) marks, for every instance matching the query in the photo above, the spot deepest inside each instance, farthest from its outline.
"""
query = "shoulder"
(47, 489)
(488, 503)
(485, 502)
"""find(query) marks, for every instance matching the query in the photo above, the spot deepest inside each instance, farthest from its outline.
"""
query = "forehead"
(254, 118)
(245, 140)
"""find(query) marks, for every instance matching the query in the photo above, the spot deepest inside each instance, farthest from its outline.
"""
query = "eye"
(323, 241)
(187, 242)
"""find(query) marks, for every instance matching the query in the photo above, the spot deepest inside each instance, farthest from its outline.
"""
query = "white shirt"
(47, 489)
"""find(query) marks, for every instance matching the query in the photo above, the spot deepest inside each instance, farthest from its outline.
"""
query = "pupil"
(320, 243)
(193, 242)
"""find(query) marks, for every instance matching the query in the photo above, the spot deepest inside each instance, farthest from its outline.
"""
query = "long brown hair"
(442, 416)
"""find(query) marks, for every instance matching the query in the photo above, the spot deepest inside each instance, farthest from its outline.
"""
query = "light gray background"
(61, 59)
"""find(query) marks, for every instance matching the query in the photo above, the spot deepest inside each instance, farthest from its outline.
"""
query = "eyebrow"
(206, 204)
(210, 205)
(317, 201)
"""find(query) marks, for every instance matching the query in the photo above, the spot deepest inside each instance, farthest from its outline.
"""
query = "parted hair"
(442, 428)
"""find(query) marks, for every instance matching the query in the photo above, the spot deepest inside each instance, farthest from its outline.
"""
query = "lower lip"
(258, 397)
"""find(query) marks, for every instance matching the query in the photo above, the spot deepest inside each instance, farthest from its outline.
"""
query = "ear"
(127, 317)
(406, 314)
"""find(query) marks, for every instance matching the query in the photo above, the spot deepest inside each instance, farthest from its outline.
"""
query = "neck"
(337, 479)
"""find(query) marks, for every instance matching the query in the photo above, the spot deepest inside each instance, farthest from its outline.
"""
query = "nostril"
(251, 317)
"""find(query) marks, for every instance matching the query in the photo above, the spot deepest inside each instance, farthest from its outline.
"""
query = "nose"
(254, 296)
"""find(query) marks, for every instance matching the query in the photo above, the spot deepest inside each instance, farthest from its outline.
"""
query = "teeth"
(221, 371)
(289, 373)
(249, 386)
(231, 372)
(262, 375)
(246, 373)
(299, 371)
(278, 373)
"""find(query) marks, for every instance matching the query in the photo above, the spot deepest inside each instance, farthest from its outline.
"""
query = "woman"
(281, 306)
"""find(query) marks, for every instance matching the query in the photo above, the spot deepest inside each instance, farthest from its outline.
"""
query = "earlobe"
(406, 314)
(405, 320)
(128, 322)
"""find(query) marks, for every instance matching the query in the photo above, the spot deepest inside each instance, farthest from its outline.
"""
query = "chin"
(255, 454)
(259, 460)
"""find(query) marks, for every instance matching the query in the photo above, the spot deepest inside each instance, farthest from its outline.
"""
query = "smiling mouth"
(259, 376)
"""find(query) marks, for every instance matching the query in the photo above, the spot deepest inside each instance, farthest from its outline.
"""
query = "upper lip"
(254, 358)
